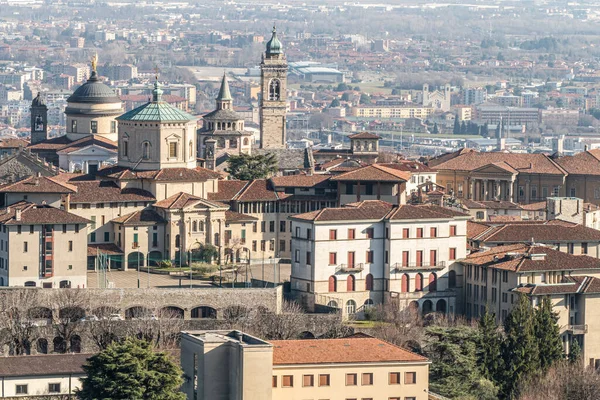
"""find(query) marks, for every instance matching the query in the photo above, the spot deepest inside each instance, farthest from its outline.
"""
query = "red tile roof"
(584, 163)
(365, 210)
(227, 190)
(259, 190)
(56, 143)
(374, 173)
(165, 174)
(409, 166)
(107, 191)
(43, 365)
(141, 217)
(13, 143)
(340, 351)
(423, 212)
(33, 214)
(525, 163)
(35, 184)
(89, 141)
(548, 232)
(303, 181)
(233, 216)
(364, 135)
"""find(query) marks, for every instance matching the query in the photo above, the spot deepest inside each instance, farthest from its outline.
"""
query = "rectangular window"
(113, 126)
(106, 236)
(282, 245)
(405, 258)
(432, 232)
(419, 232)
(308, 258)
(369, 256)
(410, 378)
(332, 258)
(19, 229)
(93, 224)
(76, 228)
(94, 126)
(64, 228)
(452, 255)
(309, 233)
(308, 380)
(351, 380)
(263, 226)
(351, 233)
(274, 381)
(125, 148)
(394, 378)
(30, 228)
(70, 245)
(74, 126)
(173, 149)
(21, 389)
(452, 230)
(405, 233)
(271, 226)
(287, 381)
(25, 247)
(324, 380)
(367, 379)
(54, 388)
(296, 253)
(370, 233)
(254, 243)
(281, 226)
(584, 248)
(332, 234)
(93, 237)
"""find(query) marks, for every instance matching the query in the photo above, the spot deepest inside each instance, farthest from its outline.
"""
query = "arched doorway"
(440, 306)
(350, 307)
(154, 257)
(135, 259)
(427, 307)
(137, 312)
(171, 312)
(432, 282)
(369, 282)
(405, 284)
(60, 346)
(332, 284)
(350, 283)
(419, 282)
(204, 312)
(42, 346)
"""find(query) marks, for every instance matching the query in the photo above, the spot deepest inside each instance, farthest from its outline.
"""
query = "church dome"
(38, 101)
(274, 46)
(94, 91)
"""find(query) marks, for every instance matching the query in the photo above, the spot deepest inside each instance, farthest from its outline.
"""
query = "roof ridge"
(243, 190)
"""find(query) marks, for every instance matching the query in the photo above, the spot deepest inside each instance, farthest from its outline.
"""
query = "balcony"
(578, 329)
(407, 267)
(135, 245)
(350, 268)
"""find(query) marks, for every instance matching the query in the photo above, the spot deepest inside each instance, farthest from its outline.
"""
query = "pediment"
(496, 169)
(93, 150)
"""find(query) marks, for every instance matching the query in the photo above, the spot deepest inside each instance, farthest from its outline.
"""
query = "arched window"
(432, 282)
(419, 282)
(274, 89)
(350, 283)
(201, 226)
(368, 304)
(146, 150)
(245, 141)
(233, 143)
(332, 304)
(350, 307)
(369, 282)
(217, 239)
(452, 278)
(405, 284)
(332, 284)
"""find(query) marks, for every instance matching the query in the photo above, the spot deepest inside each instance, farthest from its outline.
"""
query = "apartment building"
(232, 365)
(42, 246)
(391, 112)
(373, 252)
(496, 276)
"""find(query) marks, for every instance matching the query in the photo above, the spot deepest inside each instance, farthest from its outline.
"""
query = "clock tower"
(39, 120)
(273, 82)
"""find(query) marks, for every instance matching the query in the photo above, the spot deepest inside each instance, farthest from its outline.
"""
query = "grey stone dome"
(94, 91)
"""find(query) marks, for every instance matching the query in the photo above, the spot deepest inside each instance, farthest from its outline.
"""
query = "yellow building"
(233, 365)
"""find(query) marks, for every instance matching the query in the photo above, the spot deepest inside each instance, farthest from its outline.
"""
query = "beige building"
(372, 252)
(231, 365)
(391, 112)
(42, 246)
(495, 277)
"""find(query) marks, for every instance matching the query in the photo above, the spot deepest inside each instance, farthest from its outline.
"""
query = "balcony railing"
(350, 268)
(578, 329)
(413, 266)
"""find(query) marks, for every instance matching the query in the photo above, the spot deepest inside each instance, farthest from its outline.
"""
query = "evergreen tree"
(498, 131)
(485, 130)
(520, 350)
(456, 130)
(248, 167)
(436, 130)
(547, 333)
(463, 128)
(131, 370)
(490, 347)
(575, 352)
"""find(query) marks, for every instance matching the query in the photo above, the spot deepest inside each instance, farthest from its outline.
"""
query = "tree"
(453, 353)
(208, 252)
(248, 167)
(131, 370)
(490, 347)
(575, 352)
(563, 381)
(19, 312)
(335, 103)
(68, 323)
(463, 128)
(520, 350)
(456, 130)
(365, 99)
(547, 333)
(436, 130)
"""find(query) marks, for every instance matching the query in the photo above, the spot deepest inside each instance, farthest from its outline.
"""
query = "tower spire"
(157, 91)
(224, 92)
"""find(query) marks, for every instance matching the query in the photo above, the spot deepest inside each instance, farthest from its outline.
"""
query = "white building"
(373, 252)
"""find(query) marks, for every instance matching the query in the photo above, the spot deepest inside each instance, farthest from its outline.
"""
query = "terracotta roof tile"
(541, 233)
(338, 351)
(364, 135)
(409, 166)
(374, 173)
(227, 190)
(107, 191)
(423, 212)
(526, 163)
(141, 217)
(33, 214)
(233, 216)
(183, 200)
(35, 184)
(165, 174)
(89, 141)
(40, 365)
(365, 210)
(259, 190)
(584, 163)
(56, 143)
(303, 181)
(13, 143)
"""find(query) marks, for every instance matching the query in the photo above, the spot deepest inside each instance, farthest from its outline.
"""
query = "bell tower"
(39, 120)
(273, 82)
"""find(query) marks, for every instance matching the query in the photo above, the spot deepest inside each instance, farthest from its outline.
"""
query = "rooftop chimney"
(17, 214)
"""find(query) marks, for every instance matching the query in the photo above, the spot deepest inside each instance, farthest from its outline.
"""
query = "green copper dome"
(156, 111)
(274, 46)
